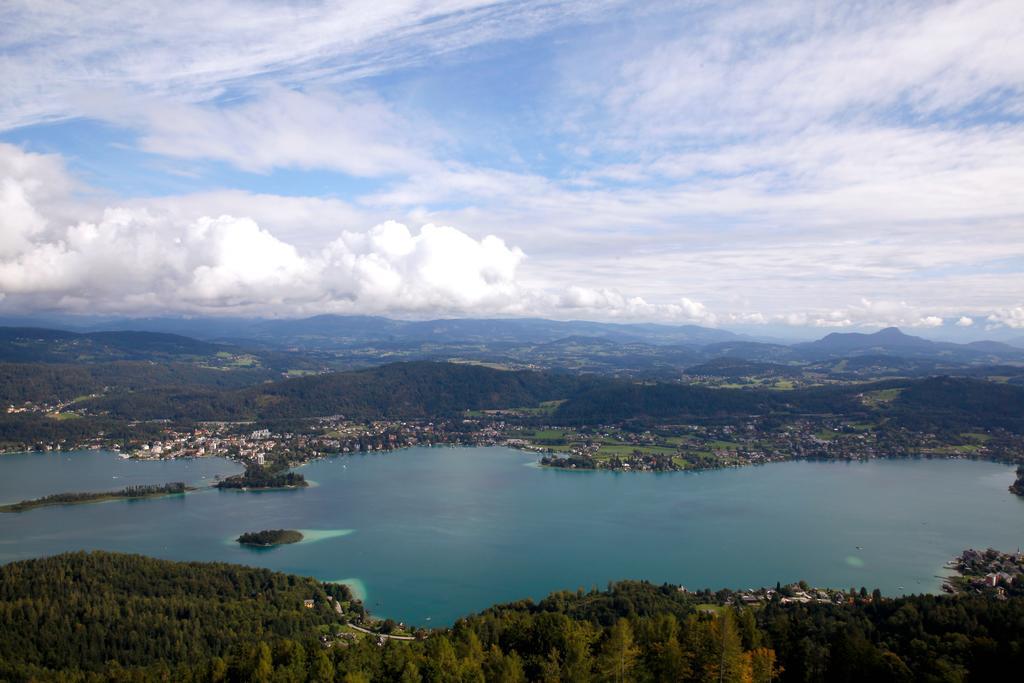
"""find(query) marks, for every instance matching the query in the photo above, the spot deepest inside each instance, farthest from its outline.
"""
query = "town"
(986, 571)
(621, 447)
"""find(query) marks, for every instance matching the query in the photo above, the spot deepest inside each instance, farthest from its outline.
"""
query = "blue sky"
(782, 167)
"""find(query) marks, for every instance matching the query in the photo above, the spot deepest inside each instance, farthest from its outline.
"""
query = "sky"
(787, 167)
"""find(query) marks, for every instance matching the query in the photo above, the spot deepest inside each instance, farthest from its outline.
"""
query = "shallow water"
(429, 534)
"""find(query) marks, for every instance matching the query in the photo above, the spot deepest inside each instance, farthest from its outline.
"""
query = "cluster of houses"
(794, 594)
(209, 441)
(986, 570)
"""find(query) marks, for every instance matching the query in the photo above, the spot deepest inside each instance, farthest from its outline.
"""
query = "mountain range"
(354, 341)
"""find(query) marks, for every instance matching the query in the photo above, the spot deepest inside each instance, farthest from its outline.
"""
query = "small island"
(130, 492)
(270, 537)
(260, 477)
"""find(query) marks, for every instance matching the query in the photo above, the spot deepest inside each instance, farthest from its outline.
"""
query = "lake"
(429, 534)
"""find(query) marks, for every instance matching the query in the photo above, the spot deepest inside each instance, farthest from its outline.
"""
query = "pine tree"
(618, 654)
(323, 669)
(263, 669)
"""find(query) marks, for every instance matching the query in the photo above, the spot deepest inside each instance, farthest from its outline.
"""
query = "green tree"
(323, 669)
(618, 655)
(502, 668)
(577, 662)
(763, 668)
(263, 665)
(728, 663)
(442, 665)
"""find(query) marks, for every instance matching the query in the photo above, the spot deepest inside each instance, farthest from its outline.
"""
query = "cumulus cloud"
(132, 261)
(1010, 317)
(606, 302)
(237, 253)
(135, 259)
(866, 313)
(965, 321)
(26, 182)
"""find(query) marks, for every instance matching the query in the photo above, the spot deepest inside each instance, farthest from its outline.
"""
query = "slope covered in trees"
(80, 610)
(61, 382)
(951, 403)
(29, 344)
(398, 390)
(419, 389)
(136, 390)
(129, 618)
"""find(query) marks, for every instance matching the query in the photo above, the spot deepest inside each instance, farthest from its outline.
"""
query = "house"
(308, 604)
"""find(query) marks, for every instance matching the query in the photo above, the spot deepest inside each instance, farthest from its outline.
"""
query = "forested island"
(156, 620)
(260, 477)
(130, 492)
(270, 537)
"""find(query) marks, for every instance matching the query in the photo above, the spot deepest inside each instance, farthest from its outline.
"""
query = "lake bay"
(429, 534)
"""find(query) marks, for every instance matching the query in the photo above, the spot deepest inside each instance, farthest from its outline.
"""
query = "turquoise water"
(428, 534)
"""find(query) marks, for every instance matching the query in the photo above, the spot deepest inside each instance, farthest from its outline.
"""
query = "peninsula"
(131, 492)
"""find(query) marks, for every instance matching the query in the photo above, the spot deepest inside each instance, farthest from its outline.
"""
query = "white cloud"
(26, 181)
(611, 303)
(357, 133)
(1010, 317)
(54, 54)
(867, 313)
(131, 261)
(137, 259)
(964, 321)
(753, 68)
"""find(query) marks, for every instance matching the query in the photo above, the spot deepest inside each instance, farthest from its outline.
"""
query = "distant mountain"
(335, 331)
(891, 341)
(992, 347)
(841, 343)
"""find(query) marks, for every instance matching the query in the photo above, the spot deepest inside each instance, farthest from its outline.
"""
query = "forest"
(428, 389)
(263, 477)
(104, 616)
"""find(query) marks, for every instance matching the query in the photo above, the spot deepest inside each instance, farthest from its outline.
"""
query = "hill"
(140, 611)
(425, 390)
(109, 617)
(29, 344)
(735, 368)
(398, 390)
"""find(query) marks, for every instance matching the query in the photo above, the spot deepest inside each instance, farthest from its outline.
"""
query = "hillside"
(425, 389)
(398, 390)
(110, 617)
(63, 382)
(141, 610)
(27, 344)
